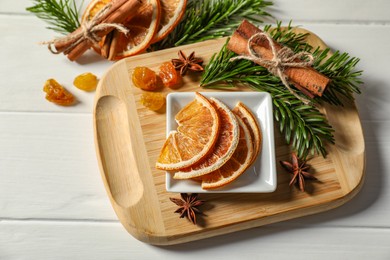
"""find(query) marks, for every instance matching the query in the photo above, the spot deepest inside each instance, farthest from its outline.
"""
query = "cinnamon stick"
(106, 43)
(123, 11)
(117, 45)
(60, 46)
(301, 77)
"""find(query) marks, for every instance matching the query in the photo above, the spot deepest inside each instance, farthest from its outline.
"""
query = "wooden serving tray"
(129, 137)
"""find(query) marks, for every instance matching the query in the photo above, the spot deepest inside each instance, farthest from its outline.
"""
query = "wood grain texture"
(30, 158)
(332, 11)
(373, 103)
(298, 10)
(102, 241)
(53, 167)
(129, 138)
(36, 137)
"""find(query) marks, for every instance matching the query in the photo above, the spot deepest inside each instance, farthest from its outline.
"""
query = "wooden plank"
(332, 11)
(14, 7)
(372, 104)
(19, 7)
(75, 190)
(29, 162)
(74, 240)
(50, 171)
(298, 10)
(39, 65)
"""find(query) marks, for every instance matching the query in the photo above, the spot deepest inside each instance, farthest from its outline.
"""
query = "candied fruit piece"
(57, 94)
(86, 81)
(153, 101)
(145, 78)
(169, 75)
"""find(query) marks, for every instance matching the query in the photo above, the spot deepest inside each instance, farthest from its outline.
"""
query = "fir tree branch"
(304, 127)
(339, 67)
(62, 15)
(210, 19)
(287, 37)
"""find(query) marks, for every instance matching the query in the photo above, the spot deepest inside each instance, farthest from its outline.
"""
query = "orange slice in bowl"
(243, 112)
(142, 29)
(171, 13)
(197, 132)
(237, 165)
(224, 148)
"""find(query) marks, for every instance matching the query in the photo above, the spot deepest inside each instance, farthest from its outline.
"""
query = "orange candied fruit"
(144, 78)
(169, 75)
(153, 101)
(86, 81)
(57, 94)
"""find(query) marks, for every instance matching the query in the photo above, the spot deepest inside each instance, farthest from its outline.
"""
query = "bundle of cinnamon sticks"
(306, 79)
(118, 13)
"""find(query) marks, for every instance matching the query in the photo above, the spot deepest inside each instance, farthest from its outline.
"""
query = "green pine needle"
(210, 19)
(287, 37)
(304, 127)
(339, 67)
(62, 15)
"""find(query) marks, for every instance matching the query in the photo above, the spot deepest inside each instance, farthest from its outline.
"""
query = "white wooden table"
(52, 201)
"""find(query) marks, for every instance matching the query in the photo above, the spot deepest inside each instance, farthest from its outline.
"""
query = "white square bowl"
(261, 176)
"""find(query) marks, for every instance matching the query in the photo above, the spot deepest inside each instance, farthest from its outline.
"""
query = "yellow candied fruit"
(86, 81)
(57, 94)
(145, 78)
(153, 101)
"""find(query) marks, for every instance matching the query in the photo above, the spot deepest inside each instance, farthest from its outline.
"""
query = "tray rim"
(163, 239)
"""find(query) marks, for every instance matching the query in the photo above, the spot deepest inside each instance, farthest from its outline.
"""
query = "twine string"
(281, 59)
(89, 31)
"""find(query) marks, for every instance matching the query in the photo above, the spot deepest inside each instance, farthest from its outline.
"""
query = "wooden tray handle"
(120, 150)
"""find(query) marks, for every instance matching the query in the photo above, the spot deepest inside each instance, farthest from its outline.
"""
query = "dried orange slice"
(234, 167)
(142, 29)
(224, 148)
(93, 8)
(171, 13)
(243, 112)
(196, 134)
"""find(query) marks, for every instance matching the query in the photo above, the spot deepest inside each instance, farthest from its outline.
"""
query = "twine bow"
(89, 31)
(281, 59)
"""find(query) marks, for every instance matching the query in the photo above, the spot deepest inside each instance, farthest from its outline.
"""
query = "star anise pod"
(188, 206)
(184, 63)
(298, 171)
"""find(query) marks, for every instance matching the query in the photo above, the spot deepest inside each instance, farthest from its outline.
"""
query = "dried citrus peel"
(224, 148)
(243, 112)
(197, 132)
(236, 166)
